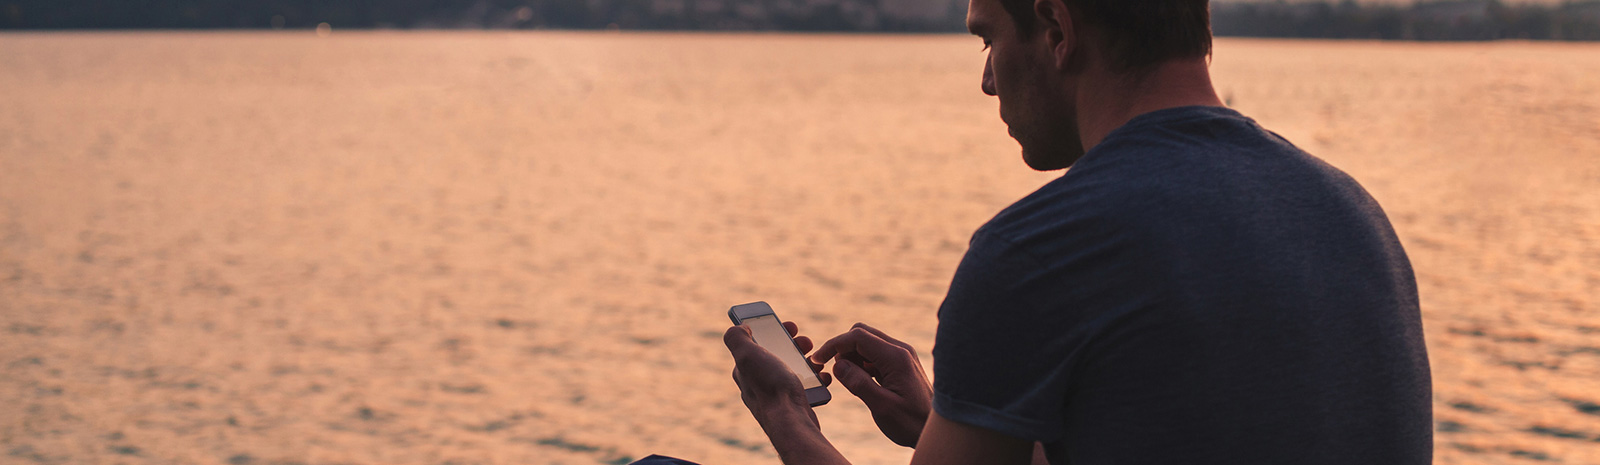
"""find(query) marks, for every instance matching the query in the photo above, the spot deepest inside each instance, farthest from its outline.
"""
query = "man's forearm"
(798, 440)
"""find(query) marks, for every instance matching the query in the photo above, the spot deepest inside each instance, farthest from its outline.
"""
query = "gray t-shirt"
(1194, 290)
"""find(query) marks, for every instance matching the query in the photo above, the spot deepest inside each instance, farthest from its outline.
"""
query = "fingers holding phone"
(758, 341)
(765, 382)
(805, 345)
(802, 343)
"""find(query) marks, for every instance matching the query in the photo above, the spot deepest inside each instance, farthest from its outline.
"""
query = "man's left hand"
(769, 389)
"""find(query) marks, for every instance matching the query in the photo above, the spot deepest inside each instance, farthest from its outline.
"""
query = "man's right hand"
(886, 374)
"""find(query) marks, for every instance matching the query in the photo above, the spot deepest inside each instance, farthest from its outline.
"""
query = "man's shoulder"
(1158, 176)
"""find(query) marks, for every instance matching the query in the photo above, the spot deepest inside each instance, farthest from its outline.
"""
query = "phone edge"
(826, 395)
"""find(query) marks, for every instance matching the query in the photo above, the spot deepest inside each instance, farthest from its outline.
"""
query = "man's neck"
(1107, 101)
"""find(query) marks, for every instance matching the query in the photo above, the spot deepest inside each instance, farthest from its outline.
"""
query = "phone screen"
(769, 333)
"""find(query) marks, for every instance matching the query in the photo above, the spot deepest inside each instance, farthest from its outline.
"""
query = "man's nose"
(988, 77)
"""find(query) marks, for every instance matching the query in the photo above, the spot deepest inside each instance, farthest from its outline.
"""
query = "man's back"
(1193, 290)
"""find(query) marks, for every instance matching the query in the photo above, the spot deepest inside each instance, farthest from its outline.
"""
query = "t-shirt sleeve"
(998, 364)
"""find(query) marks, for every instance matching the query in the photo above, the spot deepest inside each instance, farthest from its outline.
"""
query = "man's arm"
(798, 440)
(894, 389)
(946, 442)
(943, 442)
(777, 401)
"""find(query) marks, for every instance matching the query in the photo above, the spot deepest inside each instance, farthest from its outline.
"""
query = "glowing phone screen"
(770, 335)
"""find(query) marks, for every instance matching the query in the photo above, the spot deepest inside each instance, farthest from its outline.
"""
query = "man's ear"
(1059, 30)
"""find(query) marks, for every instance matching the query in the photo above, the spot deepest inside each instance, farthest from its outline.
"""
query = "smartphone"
(770, 334)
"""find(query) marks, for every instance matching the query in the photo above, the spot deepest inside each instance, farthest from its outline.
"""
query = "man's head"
(1041, 50)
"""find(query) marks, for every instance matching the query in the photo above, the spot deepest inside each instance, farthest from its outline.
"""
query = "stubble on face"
(1042, 115)
(1036, 102)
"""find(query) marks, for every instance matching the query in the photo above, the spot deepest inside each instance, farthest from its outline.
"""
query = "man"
(1194, 290)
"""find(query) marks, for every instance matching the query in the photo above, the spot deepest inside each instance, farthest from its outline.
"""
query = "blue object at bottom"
(662, 460)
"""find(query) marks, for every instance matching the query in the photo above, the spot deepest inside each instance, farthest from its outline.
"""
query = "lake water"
(485, 247)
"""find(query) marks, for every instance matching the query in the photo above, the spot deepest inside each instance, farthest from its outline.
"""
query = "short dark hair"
(1137, 33)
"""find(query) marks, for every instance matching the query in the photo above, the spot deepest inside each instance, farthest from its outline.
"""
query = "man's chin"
(1048, 160)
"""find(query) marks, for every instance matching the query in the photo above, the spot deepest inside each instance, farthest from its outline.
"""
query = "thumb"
(859, 383)
(740, 344)
(736, 338)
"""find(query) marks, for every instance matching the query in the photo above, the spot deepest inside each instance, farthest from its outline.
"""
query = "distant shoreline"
(718, 32)
(1428, 21)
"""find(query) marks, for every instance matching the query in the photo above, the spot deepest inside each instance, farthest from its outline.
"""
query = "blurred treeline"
(1446, 20)
(799, 15)
(1452, 20)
